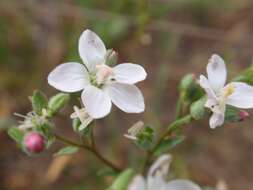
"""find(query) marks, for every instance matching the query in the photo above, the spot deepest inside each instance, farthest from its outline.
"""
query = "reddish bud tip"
(34, 142)
(243, 115)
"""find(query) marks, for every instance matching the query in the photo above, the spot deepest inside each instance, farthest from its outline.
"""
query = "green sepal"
(232, 114)
(39, 101)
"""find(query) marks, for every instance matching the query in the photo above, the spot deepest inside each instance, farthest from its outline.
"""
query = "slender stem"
(69, 142)
(90, 149)
(171, 128)
(179, 106)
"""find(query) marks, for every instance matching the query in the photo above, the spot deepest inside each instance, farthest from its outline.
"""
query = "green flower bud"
(186, 82)
(190, 89)
(57, 102)
(233, 114)
(197, 109)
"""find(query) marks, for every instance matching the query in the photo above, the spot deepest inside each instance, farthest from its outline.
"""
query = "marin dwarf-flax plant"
(101, 83)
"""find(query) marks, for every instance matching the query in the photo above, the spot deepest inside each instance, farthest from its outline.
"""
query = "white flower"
(219, 95)
(135, 130)
(83, 116)
(100, 83)
(156, 178)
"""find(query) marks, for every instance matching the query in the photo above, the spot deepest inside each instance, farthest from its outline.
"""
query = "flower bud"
(57, 102)
(111, 57)
(34, 142)
(243, 115)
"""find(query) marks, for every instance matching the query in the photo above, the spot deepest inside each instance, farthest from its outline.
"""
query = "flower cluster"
(102, 83)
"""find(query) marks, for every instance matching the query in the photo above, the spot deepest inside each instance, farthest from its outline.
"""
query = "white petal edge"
(129, 73)
(242, 96)
(181, 184)
(217, 72)
(126, 97)
(91, 49)
(69, 77)
(205, 84)
(97, 102)
(138, 183)
(160, 166)
(216, 120)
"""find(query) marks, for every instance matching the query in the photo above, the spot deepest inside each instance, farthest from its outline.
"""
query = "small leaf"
(123, 179)
(39, 101)
(16, 134)
(67, 150)
(57, 102)
(168, 144)
(198, 110)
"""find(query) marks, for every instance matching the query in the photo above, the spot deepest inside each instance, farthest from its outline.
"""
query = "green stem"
(90, 149)
(171, 128)
(179, 106)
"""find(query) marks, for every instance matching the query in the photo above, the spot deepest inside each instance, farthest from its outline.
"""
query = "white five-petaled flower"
(156, 178)
(219, 95)
(100, 83)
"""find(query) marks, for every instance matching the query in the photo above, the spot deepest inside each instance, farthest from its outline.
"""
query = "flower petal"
(138, 183)
(205, 84)
(69, 77)
(216, 120)
(161, 166)
(91, 49)
(129, 73)
(181, 184)
(96, 102)
(217, 72)
(242, 96)
(126, 97)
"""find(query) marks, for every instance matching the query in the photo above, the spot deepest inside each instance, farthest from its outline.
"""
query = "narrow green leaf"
(123, 179)
(168, 144)
(67, 150)
(39, 101)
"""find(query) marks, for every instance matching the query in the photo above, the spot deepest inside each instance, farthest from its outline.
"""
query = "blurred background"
(170, 38)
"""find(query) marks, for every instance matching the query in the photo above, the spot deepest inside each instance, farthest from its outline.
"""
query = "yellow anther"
(229, 90)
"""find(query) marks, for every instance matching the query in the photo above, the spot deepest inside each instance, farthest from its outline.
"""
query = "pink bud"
(243, 114)
(34, 142)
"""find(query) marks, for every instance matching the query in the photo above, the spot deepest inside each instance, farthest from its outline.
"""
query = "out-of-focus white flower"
(83, 116)
(136, 129)
(100, 83)
(237, 94)
(156, 178)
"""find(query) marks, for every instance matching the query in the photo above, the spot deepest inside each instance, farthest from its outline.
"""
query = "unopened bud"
(34, 142)
(243, 115)
(111, 57)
